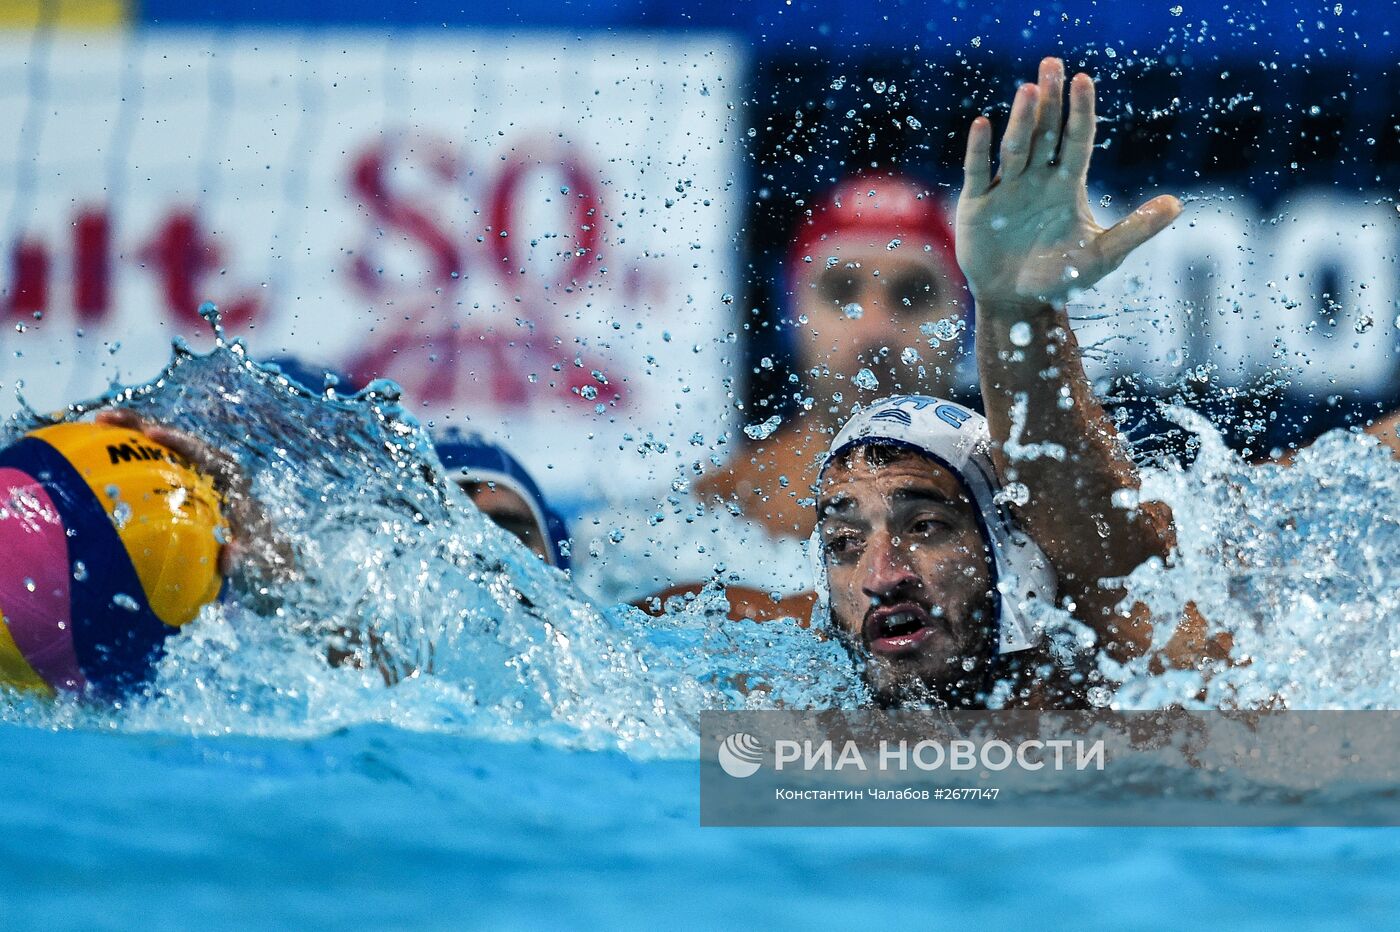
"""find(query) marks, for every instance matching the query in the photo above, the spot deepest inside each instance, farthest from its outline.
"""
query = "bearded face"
(909, 572)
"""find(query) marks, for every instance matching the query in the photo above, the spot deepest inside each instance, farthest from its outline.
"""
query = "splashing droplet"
(944, 330)
(763, 431)
(210, 312)
(1126, 499)
(1015, 493)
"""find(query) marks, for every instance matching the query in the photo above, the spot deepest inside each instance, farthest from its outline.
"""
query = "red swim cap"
(869, 212)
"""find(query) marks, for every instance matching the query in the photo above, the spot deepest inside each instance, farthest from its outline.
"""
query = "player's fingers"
(121, 417)
(221, 466)
(1137, 228)
(1020, 128)
(1051, 113)
(189, 446)
(977, 164)
(231, 557)
(1078, 145)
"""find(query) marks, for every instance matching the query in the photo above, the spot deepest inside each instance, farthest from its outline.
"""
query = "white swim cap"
(957, 439)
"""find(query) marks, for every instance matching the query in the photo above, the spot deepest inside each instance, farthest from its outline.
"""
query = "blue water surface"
(534, 764)
(379, 826)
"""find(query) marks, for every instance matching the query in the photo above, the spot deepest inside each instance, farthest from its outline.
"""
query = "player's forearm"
(1038, 397)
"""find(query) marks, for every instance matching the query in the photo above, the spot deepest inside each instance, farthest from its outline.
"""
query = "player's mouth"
(896, 630)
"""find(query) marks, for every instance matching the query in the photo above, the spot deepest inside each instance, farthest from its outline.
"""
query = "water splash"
(1296, 564)
(481, 638)
(407, 579)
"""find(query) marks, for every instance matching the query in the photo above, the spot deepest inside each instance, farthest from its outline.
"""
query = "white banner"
(533, 235)
(1302, 295)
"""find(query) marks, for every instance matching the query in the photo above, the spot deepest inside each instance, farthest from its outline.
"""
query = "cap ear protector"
(959, 440)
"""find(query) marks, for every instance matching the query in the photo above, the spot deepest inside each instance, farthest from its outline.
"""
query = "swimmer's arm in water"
(1026, 239)
(258, 556)
(745, 603)
(1386, 429)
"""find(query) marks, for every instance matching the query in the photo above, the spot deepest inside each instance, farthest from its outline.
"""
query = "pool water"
(535, 766)
(381, 826)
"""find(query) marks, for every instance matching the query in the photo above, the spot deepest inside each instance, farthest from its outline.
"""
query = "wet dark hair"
(877, 453)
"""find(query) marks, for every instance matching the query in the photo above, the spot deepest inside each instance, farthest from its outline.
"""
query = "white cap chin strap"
(958, 440)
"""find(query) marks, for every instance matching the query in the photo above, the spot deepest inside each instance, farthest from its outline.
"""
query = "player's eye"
(929, 526)
(916, 289)
(840, 547)
(838, 286)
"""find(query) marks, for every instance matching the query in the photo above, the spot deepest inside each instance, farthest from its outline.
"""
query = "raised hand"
(1028, 235)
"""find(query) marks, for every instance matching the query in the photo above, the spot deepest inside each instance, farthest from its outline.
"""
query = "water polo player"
(927, 574)
(922, 569)
(854, 296)
(109, 542)
(499, 485)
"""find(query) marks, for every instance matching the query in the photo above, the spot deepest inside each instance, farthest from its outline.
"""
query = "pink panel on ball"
(35, 580)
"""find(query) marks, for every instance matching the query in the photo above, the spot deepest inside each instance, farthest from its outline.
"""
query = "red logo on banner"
(508, 349)
(185, 258)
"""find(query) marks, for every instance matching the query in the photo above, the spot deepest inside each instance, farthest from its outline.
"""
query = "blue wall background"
(1364, 31)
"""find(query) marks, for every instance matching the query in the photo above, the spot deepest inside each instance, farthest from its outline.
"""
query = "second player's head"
(870, 266)
(499, 485)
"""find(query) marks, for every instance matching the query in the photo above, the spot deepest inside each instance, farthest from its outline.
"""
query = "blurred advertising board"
(532, 234)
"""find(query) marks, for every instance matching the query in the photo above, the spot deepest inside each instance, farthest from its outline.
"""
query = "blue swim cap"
(472, 458)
